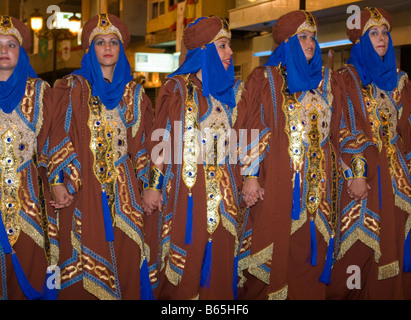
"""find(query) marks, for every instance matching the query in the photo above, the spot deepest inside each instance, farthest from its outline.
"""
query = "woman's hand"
(61, 197)
(252, 192)
(358, 188)
(152, 200)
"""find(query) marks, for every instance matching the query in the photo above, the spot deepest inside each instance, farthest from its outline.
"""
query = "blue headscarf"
(370, 66)
(13, 89)
(216, 80)
(301, 76)
(110, 94)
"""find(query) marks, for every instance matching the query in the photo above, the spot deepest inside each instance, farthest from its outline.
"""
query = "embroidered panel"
(308, 121)
(21, 195)
(386, 107)
(175, 264)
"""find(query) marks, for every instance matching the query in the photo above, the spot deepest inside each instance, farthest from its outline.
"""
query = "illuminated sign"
(156, 62)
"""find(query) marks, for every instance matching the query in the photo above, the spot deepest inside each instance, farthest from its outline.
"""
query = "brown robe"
(179, 264)
(92, 267)
(275, 258)
(29, 125)
(372, 237)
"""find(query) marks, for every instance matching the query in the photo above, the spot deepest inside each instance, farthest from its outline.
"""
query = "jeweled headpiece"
(14, 27)
(104, 24)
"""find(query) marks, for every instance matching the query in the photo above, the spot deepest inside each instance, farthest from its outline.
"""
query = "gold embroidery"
(153, 276)
(28, 102)
(74, 175)
(35, 213)
(371, 106)
(228, 195)
(279, 295)
(224, 31)
(96, 290)
(294, 128)
(7, 28)
(389, 270)
(359, 165)
(191, 148)
(154, 179)
(310, 126)
(230, 204)
(128, 230)
(213, 201)
(401, 83)
(242, 265)
(389, 121)
(28, 229)
(296, 224)
(308, 24)
(315, 171)
(58, 156)
(376, 19)
(104, 26)
(238, 97)
(403, 204)
(262, 257)
(408, 222)
(212, 177)
(359, 234)
(165, 250)
(132, 214)
(100, 271)
(101, 145)
(39, 123)
(215, 148)
(179, 261)
(75, 242)
(53, 230)
(133, 104)
(386, 136)
(328, 90)
(10, 202)
(334, 190)
(386, 110)
(71, 271)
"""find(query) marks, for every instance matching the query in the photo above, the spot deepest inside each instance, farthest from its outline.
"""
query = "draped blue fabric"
(12, 90)
(301, 75)
(110, 94)
(215, 79)
(370, 66)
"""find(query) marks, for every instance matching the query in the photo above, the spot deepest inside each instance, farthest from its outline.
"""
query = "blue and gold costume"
(25, 121)
(99, 145)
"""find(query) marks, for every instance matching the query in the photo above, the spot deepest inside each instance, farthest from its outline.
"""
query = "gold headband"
(7, 28)
(224, 32)
(104, 26)
(376, 19)
(308, 24)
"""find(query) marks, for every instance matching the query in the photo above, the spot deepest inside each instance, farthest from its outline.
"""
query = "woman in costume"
(97, 156)
(193, 184)
(375, 232)
(25, 118)
(287, 241)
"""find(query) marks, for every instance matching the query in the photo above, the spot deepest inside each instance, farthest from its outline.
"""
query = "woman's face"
(379, 39)
(223, 46)
(9, 53)
(307, 42)
(107, 49)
